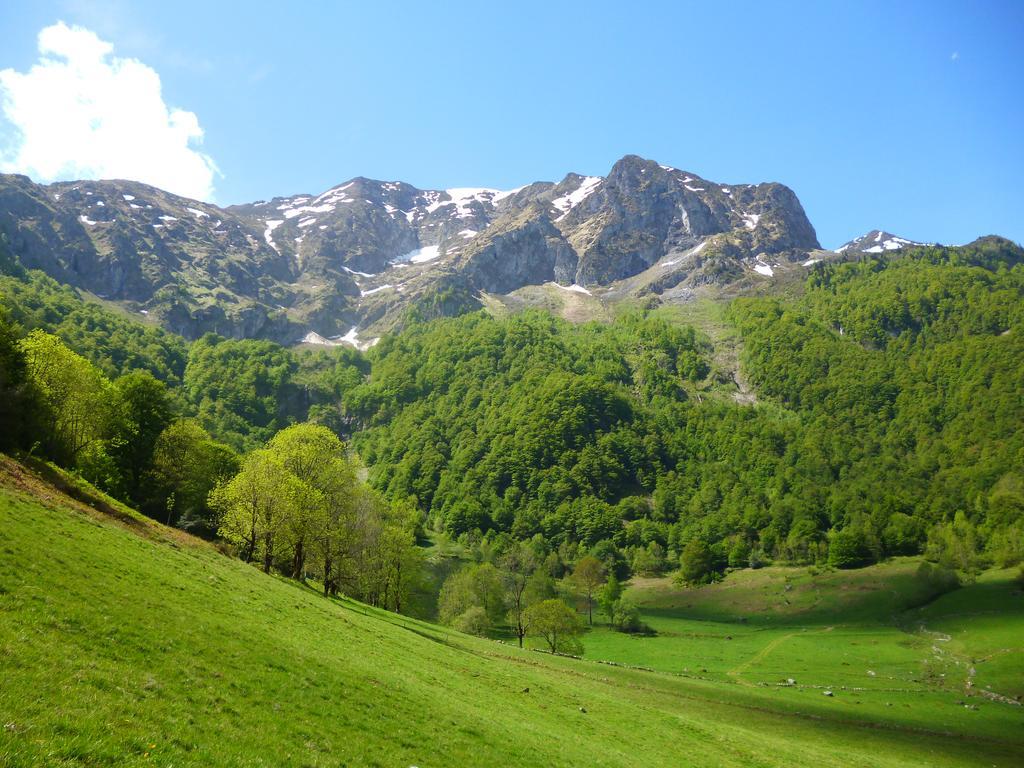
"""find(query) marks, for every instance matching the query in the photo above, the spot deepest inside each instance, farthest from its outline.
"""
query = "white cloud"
(81, 112)
(955, 56)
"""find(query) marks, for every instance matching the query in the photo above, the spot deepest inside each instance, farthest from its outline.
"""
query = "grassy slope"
(124, 649)
(861, 634)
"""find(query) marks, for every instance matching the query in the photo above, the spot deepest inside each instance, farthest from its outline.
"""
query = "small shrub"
(938, 579)
(473, 622)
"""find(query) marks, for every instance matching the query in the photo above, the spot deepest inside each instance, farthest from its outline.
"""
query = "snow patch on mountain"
(507, 193)
(877, 241)
(566, 203)
(272, 224)
(421, 255)
(574, 288)
(355, 272)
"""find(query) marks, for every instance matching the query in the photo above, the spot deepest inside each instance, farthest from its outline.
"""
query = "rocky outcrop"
(516, 251)
(876, 241)
(361, 253)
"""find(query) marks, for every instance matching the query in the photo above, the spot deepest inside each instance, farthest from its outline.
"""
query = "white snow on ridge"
(890, 243)
(86, 220)
(291, 213)
(574, 288)
(507, 193)
(315, 338)
(334, 192)
(566, 203)
(463, 197)
(361, 274)
(694, 189)
(469, 234)
(197, 213)
(351, 338)
(167, 218)
(810, 262)
(750, 220)
(272, 224)
(421, 255)
(372, 291)
(763, 269)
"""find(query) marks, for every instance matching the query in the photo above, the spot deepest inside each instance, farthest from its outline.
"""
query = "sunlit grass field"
(879, 639)
(122, 643)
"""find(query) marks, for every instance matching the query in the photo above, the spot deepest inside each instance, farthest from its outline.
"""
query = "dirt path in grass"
(761, 655)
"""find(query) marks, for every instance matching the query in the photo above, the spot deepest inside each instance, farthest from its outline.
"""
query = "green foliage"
(245, 391)
(905, 378)
(587, 577)
(557, 625)
(891, 401)
(146, 410)
(526, 425)
(696, 563)
(848, 549)
(78, 402)
(956, 546)
(609, 596)
(110, 340)
(477, 589)
(187, 465)
(18, 400)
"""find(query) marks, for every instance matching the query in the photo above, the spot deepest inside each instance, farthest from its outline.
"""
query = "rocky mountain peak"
(876, 241)
(355, 255)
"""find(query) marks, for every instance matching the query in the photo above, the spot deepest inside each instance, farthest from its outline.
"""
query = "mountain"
(354, 259)
(876, 241)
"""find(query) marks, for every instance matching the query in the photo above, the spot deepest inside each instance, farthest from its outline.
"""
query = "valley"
(129, 645)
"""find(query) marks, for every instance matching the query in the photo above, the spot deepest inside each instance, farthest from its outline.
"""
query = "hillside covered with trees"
(889, 421)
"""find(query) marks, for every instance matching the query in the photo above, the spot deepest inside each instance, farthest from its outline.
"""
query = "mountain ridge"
(349, 263)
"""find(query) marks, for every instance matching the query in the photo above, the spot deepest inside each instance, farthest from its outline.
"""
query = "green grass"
(883, 639)
(124, 649)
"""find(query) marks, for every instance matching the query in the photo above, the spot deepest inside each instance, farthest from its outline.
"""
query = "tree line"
(889, 422)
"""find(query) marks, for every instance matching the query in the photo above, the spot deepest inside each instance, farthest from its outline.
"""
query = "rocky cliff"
(360, 254)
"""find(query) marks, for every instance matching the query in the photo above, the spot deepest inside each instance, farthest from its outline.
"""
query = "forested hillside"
(893, 402)
(890, 417)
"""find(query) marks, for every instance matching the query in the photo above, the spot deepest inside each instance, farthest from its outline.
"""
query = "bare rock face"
(365, 252)
(517, 251)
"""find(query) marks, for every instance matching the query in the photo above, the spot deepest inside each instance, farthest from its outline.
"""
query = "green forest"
(889, 420)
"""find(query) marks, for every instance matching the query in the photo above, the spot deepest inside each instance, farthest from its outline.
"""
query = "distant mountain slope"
(353, 259)
(876, 241)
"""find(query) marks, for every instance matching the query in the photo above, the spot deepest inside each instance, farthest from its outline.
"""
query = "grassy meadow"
(123, 643)
(884, 641)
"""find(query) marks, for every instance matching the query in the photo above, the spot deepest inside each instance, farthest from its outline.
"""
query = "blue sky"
(903, 116)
